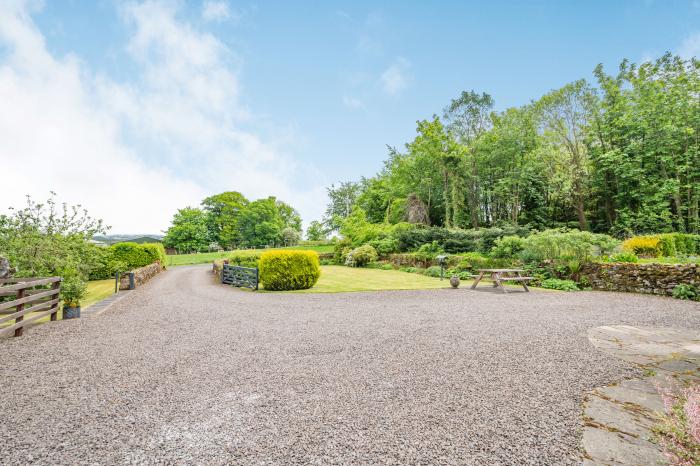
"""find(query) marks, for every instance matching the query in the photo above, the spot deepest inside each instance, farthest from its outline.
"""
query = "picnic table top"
(500, 270)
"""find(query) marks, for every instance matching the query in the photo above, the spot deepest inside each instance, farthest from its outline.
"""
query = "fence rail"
(30, 295)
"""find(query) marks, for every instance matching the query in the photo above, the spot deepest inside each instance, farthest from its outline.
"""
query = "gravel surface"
(184, 370)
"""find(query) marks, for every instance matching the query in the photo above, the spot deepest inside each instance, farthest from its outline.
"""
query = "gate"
(242, 277)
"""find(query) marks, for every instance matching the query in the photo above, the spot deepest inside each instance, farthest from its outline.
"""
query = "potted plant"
(73, 290)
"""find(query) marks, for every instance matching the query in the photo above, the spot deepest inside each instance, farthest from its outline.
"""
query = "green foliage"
(47, 239)
(473, 261)
(283, 270)
(409, 269)
(433, 271)
(104, 265)
(385, 246)
(557, 246)
(361, 256)
(316, 231)
(73, 289)
(189, 231)
(427, 252)
(222, 213)
(624, 256)
(619, 158)
(557, 284)
(507, 247)
(685, 291)
(245, 258)
(132, 254)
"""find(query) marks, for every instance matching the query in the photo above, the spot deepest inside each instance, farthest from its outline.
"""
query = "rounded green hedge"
(289, 270)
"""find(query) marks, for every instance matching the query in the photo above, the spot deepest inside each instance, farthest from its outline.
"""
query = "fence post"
(132, 285)
(19, 308)
(56, 286)
(116, 282)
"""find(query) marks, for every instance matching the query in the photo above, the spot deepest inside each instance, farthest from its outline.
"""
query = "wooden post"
(19, 308)
(54, 307)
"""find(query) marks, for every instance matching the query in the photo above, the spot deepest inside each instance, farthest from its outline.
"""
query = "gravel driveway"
(184, 370)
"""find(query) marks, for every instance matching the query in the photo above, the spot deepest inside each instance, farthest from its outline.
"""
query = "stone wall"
(141, 275)
(640, 278)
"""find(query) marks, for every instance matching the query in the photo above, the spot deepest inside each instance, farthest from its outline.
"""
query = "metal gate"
(242, 277)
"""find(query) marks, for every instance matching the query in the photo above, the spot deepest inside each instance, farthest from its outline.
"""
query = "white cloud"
(690, 47)
(396, 78)
(216, 11)
(132, 153)
(353, 103)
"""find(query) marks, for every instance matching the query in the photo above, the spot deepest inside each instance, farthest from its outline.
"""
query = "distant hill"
(113, 239)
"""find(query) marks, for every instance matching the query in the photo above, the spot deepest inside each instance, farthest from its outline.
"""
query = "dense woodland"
(620, 156)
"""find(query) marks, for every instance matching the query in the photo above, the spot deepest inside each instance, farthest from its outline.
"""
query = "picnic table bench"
(498, 276)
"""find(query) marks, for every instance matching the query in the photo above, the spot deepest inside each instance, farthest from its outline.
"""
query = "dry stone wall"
(141, 275)
(640, 278)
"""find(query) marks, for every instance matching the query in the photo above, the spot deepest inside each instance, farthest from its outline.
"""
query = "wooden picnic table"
(498, 276)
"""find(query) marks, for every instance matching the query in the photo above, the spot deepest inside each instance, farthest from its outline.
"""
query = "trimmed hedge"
(122, 257)
(289, 270)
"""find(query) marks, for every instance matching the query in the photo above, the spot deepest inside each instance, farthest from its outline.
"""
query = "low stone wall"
(640, 278)
(141, 275)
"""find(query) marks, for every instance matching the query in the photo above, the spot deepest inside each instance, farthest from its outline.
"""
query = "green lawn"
(96, 291)
(337, 279)
(208, 257)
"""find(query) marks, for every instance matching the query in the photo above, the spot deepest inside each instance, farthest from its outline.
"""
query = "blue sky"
(165, 102)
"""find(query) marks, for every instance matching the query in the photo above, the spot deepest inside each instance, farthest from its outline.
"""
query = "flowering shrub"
(678, 431)
(360, 257)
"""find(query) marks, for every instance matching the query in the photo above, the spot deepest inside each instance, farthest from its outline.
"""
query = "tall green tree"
(222, 212)
(188, 232)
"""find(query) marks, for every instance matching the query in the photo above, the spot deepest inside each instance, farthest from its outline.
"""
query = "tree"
(341, 201)
(45, 239)
(316, 231)
(260, 223)
(290, 236)
(565, 114)
(222, 212)
(188, 232)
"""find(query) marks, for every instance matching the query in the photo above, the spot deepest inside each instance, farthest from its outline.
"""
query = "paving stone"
(612, 448)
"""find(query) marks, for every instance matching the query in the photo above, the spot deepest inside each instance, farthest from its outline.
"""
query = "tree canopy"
(620, 156)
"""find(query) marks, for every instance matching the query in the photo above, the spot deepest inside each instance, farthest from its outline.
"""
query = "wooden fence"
(28, 295)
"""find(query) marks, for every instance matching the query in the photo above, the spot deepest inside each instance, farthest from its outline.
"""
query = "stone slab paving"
(101, 306)
(618, 418)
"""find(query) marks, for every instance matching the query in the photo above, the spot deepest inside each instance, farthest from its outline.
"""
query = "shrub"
(387, 267)
(289, 270)
(474, 261)
(155, 252)
(625, 256)
(409, 269)
(557, 284)
(361, 256)
(73, 289)
(104, 265)
(341, 249)
(385, 246)
(643, 245)
(245, 258)
(566, 246)
(507, 247)
(433, 271)
(455, 240)
(135, 255)
(684, 291)
(427, 252)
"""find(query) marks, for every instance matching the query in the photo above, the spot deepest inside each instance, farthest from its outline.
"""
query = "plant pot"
(71, 312)
(454, 281)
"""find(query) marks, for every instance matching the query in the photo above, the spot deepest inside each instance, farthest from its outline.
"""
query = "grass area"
(208, 257)
(338, 279)
(97, 290)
